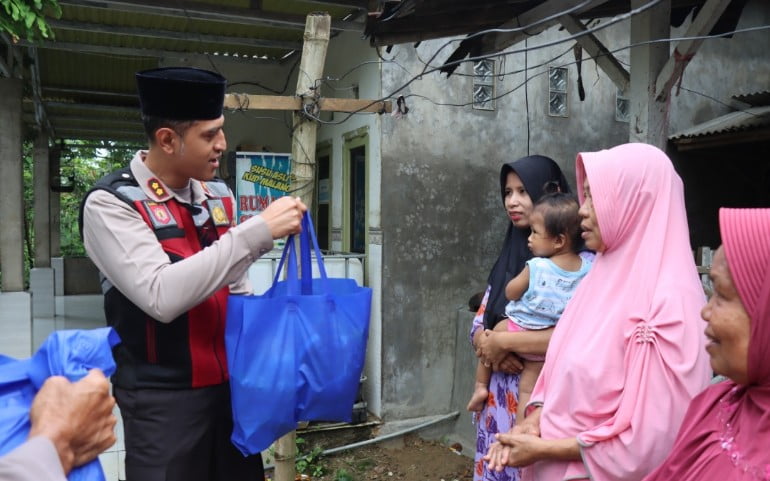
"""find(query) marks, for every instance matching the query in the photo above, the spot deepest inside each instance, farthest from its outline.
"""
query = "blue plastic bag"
(296, 352)
(65, 353)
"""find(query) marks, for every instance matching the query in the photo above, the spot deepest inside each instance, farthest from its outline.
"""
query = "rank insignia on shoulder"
(218, 212)
(159, 214)
(157, 188)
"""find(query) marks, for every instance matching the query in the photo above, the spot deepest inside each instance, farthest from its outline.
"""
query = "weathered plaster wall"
(722, 68)
(443, 222)
(734, 175)
(351, 69)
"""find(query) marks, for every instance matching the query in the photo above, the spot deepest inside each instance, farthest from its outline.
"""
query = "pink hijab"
(726, 433)
(627, 355)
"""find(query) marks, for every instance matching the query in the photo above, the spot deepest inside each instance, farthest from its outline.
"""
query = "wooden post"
(303, 142)
(308, 88)
(649, 116)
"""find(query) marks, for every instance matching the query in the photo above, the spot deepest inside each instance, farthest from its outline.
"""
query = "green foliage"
(309, 462)
(26, 18)
(80, 168)
(342, 475)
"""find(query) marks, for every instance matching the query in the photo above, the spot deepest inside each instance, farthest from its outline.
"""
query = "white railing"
(338, 264)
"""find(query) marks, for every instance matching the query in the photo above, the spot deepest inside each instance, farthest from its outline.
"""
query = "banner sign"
(261, 178)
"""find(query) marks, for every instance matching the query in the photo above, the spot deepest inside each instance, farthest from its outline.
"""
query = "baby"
(542, 289)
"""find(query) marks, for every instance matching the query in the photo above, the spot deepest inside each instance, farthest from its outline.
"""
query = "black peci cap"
(181, 93)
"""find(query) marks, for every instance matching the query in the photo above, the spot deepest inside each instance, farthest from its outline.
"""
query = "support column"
(41, 276)
(54, 210)
(15, 306)
(42, 180)
(649, 117)
(11, 187)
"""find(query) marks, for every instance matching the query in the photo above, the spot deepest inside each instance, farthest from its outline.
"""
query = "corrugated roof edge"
(732, 122)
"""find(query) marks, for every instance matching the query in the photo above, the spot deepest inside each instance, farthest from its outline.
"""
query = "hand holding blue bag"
(296, 352)
(65, 353)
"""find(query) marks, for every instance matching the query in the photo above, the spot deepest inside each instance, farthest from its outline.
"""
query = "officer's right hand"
(284, 216)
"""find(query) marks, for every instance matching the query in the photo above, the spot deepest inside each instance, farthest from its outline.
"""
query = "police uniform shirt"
(127, 252)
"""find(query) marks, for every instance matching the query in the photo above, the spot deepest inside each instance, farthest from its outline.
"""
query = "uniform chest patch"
(159, 214)
(218, 212)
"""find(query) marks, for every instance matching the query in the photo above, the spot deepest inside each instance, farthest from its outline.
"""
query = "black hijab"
(534, 171)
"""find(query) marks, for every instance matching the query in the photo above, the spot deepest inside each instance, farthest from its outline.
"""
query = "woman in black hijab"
(521, 185)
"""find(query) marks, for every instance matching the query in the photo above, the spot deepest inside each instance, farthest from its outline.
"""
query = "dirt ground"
(413, 459)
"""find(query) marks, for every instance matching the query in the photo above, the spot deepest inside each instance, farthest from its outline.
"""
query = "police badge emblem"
(159, 214)
(218, 213)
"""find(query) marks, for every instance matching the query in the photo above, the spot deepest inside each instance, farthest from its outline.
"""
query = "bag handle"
(295, 284)
(306, 237)
(292, 280)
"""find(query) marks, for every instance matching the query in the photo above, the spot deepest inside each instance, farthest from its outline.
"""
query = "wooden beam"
(92, 107)
(649, 31)
(143, 52)
(604, 59)
(277, 102)
(102, 134)
(684, 51)
(206, 11)
(67, 120)
(192, 37)
(359, 4)
(101, 93)
(500, 41)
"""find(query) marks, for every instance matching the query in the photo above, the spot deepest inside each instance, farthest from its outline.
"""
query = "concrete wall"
(442, 217)
(355, 64)
(722, 68)
(733, 175)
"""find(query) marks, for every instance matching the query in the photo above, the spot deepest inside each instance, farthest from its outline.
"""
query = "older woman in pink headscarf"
(726, 432)
(627, 355)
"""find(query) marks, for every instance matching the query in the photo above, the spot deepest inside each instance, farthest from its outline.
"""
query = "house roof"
(409, 21)
(83, 79)
(736, 127)
(755, 99)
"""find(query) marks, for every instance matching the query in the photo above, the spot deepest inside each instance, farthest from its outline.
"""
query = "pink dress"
(627, 355)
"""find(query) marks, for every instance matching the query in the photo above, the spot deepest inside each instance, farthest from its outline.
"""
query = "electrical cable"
(526, 94)
(626, 47)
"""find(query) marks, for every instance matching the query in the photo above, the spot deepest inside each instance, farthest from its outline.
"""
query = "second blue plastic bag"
(296, 352)
(64, 353)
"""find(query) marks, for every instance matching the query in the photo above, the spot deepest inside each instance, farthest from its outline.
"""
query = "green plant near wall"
(309, 462)
(25, 19)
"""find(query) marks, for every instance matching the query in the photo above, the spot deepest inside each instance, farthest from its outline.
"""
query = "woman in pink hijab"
(726, 432)
(627, 355)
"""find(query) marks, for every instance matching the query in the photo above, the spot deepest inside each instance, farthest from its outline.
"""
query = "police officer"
(161, 232)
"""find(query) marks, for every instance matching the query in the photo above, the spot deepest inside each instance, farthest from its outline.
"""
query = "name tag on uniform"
(159, 214)
(218, 212)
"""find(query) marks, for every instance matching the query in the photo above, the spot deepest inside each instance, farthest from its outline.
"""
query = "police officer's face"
(201, 148)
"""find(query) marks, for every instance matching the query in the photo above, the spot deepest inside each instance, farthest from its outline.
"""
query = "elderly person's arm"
(523, 446)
